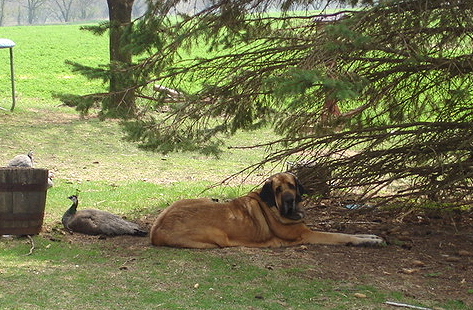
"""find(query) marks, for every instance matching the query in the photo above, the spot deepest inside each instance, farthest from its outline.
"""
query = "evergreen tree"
(378, 95)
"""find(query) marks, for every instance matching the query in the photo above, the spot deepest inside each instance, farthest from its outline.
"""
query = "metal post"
(12, 75)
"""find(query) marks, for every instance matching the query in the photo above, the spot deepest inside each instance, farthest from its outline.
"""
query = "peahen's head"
(75, 202)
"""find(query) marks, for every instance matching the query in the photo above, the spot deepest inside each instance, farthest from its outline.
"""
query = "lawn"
(88, 155)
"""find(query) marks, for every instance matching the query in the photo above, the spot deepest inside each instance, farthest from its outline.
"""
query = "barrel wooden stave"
(22, 200)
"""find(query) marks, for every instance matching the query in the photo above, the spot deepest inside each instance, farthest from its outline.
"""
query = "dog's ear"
(267, 194)
(300, 187)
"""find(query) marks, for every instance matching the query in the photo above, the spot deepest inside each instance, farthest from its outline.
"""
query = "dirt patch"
(429, 255)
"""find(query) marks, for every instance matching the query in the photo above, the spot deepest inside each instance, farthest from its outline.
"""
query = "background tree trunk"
(33, 7)
(2, 8)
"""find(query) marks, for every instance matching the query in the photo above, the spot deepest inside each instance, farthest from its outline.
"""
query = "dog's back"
(204, 223)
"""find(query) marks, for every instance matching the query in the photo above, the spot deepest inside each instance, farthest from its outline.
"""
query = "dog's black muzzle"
(290, 206)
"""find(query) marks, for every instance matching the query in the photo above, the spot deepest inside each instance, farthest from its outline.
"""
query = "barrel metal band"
(21, 217)
(15, 187)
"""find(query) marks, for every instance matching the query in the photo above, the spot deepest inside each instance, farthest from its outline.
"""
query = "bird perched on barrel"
(23, 160)
(97, 222)
(26, 161)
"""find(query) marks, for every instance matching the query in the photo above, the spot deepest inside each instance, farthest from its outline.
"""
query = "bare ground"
(429, 255)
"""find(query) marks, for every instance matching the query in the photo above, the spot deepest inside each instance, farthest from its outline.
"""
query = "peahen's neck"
(73, 209)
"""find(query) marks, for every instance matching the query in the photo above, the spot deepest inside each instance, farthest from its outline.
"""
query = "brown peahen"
(97, 222)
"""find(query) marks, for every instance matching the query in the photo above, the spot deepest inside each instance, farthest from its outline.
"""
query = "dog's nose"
(288, 199)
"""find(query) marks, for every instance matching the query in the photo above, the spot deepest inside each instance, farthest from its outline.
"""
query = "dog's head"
(284, 191)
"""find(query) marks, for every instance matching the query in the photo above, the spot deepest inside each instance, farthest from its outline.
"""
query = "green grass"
(39, 59)
(60, 276)
(111, 174)
(90, 155)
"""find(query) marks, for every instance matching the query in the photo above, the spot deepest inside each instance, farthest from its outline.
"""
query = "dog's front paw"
(367, 240)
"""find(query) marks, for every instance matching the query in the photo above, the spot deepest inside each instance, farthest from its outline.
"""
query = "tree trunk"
(2, 9)
(122, 100)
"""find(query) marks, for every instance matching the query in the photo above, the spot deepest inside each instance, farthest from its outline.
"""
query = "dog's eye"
(278, 189)
(291, 186)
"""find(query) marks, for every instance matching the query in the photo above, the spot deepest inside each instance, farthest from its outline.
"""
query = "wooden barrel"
(22, 200)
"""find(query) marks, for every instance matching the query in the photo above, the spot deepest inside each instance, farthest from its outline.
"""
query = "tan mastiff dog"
(270, 217)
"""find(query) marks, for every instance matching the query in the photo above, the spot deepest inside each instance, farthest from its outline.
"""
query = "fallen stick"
(124, 266)
(397, 304)
(32, 245)
(174, 94)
